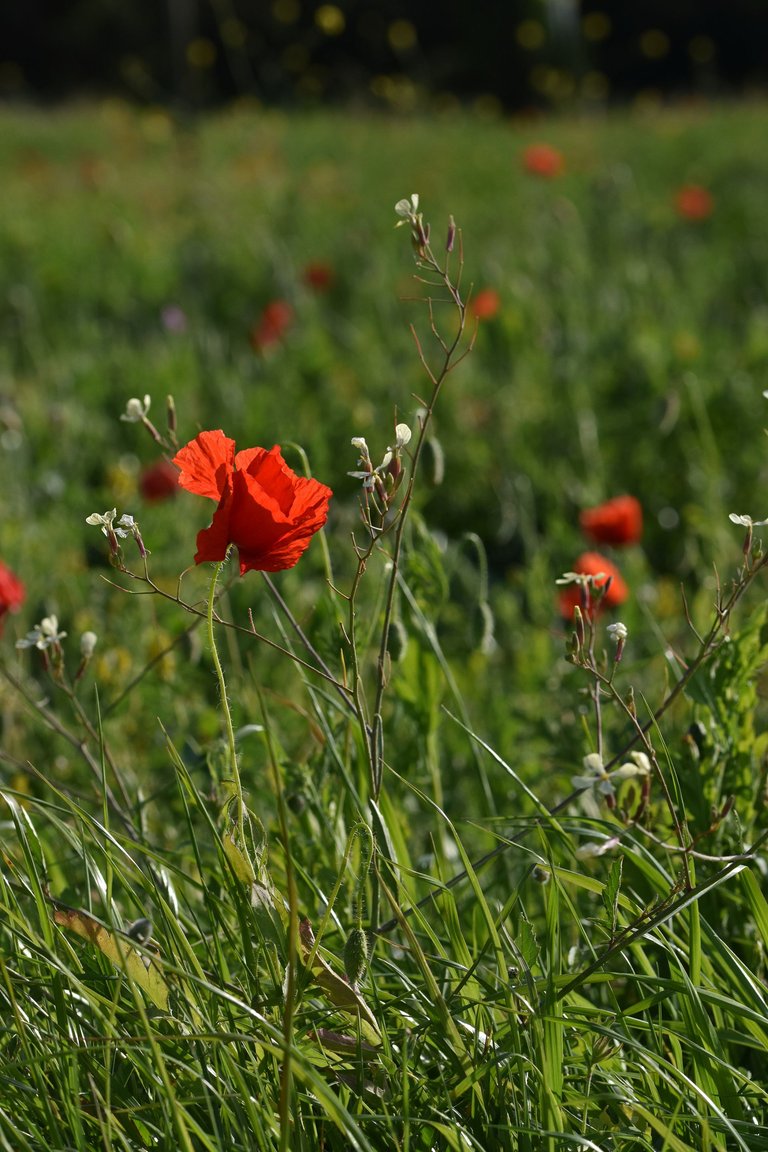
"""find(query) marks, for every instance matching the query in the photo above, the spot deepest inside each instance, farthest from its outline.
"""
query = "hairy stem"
(239, 802)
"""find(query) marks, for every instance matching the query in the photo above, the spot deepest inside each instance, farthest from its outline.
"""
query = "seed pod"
(356, 956)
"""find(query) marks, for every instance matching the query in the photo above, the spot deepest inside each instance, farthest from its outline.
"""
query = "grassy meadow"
(385, 850)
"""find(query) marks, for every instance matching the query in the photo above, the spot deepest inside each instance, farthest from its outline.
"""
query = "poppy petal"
(213, 541)
(205, 464)
(270, 472)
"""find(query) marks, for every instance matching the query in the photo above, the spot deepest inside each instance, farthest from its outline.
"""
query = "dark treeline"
(396, 52)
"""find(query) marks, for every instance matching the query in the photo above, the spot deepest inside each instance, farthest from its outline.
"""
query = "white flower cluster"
(604, 782)
(44, 635)
(368, 473)
(105, 521)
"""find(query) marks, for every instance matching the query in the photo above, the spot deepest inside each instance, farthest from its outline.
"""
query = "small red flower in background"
(593, 564)
(543, 160)
(485, 304)
(693, 202)
(268, 512)
(617, 521)
(318, 276)
(11, 592)
(271, 326)
(160, 481)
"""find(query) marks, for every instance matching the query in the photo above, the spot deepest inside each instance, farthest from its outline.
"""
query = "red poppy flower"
(318, 276)
(485, 304)
(160, 481)
(694, 202)
(268, 512)
(271, 326)
(617, 521)
(593, 564)
(543, 160)
(11, 592)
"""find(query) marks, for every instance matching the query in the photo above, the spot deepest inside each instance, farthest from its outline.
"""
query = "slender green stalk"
(239, 802)
(376, 735)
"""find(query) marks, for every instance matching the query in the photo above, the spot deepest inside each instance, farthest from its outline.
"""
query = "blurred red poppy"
(271, 326)
(318, 276)
(617, 521)
(693, 202)
(12, 592)
(593, 564)
(268, 512)
(160, 481)
(543, 160)
(485, 304)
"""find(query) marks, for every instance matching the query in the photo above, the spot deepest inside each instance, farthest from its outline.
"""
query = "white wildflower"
(408, 208)
(105, 521)
(135, 410)
(746, 521)
(44, 635)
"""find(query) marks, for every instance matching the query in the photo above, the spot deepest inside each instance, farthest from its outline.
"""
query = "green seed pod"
(356, 956)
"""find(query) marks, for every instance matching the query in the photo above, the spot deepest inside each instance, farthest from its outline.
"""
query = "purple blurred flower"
(174, 318)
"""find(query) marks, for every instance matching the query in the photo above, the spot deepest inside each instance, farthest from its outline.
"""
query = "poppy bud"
(356, 956)
(170, 408)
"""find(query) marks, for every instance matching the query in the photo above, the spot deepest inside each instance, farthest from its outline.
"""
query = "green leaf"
(526, 942)
(611, 892)
(141, 968)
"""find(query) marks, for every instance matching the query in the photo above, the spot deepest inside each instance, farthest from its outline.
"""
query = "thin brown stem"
(155, 589)
(375, 735)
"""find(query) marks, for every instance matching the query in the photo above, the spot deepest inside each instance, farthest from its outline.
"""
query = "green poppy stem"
(238, 789)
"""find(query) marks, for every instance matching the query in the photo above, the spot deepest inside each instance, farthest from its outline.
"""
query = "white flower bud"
(88, 642)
